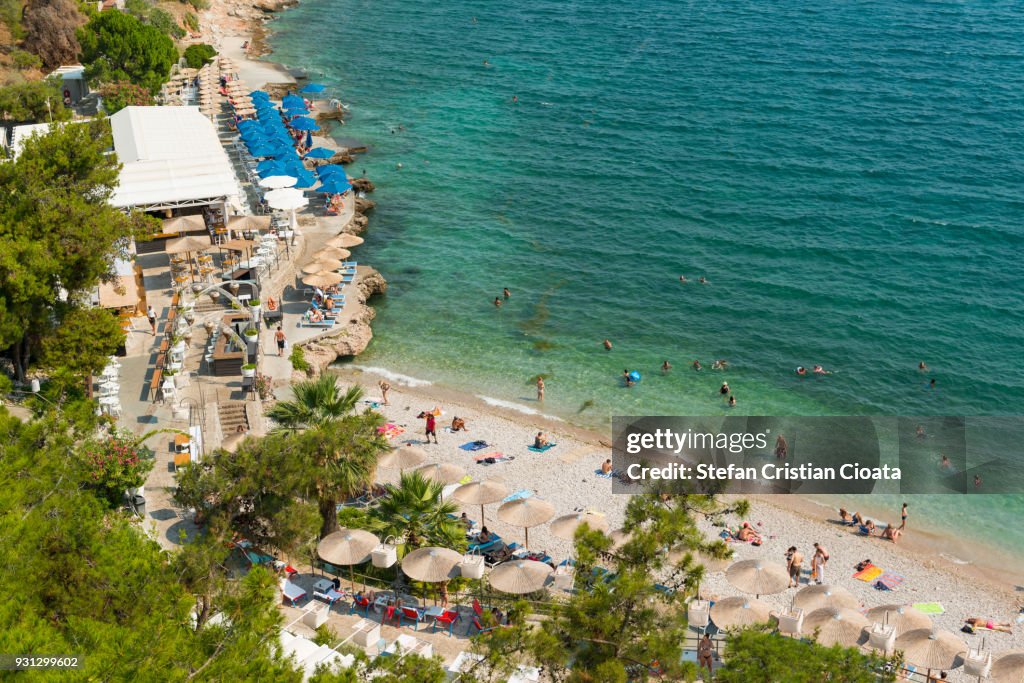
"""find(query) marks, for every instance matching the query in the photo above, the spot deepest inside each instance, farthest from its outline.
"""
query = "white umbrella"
(406, 456)
(566, 525)
(902, 618)
(526, 513)
(931, 648)
(480, 493)
(739, 611)
(837, 626)
(276, 182)
(347, 547)
(520, 576)
(758, 577)
(432, 564)
(286, 199)
(811, 598)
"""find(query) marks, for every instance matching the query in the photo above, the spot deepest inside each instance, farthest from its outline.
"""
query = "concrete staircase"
(232, 417)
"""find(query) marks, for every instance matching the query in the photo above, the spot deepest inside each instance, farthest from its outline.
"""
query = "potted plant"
(178, 343)
(254, 308)
(249, 370)
(233, 287)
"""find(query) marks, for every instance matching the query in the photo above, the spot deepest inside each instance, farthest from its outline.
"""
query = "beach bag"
(968, 629)
(384, 555)
(472, 566)
(490, 461)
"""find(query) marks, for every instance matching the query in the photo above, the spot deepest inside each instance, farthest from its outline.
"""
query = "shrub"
(50, 27)
(10, 14)
(198, 55)
(191, 22)
(121, 94)
(298, 360)
(115, 464)
(118, 47)
(163, 20)
(25, 60)
(200, 4)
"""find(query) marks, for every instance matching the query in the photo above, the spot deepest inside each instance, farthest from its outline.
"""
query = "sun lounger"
(889, 581)
(542, 448)
(330, 597)
(474, 446)
(930, 608)
(483, 547)
(869, 573)
(292, 593)
(310, 323)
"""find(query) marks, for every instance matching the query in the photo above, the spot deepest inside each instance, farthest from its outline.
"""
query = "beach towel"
(542, 448)
(889, 581)
(601, 474)
(474, 446)
(494, 454)
(869, 573)
(525, 493)
(390, 431)
(931, 608)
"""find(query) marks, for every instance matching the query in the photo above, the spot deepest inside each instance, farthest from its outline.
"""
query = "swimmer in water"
(497, 302)
(724, 390)
(801, 371)
(515, 99)
(702, 280)
(818, 370)
(627, 378)
(945, 463)
(720, 364)
(696, 365)
(486, 63)
(506, 293)
(977, 481)
(931, 384)
(665, 367)
(732, 401)
(682, 279)
(607, 345)
(922, 367)
(920, 431)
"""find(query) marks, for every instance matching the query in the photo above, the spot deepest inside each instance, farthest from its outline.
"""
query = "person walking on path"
(384, 389)
(151, 315)
(431, 430)
(279, 336)
(903, 516)
(794, 561)
(818, 563)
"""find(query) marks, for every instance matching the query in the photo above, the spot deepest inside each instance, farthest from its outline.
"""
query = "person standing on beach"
(431, 426)
(384, 389)
(794, 562)
(279, 336)
(819, 562)
(151, 315)
(903, 516)
(540, 388)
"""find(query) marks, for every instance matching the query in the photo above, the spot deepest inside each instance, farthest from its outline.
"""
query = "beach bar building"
(172, 163)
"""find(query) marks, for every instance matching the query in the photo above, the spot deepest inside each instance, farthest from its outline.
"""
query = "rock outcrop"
(362, 185)
(353, 338)
(363, 205)
(274, 6)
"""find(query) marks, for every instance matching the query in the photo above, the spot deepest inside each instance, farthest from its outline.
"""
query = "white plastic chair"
(792, 622)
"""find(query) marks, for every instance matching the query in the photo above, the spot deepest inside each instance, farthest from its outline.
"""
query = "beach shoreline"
(930, 559)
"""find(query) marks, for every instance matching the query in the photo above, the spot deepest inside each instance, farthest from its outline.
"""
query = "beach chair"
(449, 618)
(292, 593)
(359, 602)
(411, 614)
(390, 614)
(480, 628)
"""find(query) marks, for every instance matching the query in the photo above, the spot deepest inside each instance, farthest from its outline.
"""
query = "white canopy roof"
(171, 157)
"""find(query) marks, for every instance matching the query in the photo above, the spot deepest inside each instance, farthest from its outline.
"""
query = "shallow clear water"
(848, 176)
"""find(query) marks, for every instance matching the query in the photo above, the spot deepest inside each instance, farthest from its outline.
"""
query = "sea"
(848, 177)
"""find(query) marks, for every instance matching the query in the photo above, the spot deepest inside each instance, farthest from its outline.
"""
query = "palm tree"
(415, 509)
(342, 461)
(316, 402)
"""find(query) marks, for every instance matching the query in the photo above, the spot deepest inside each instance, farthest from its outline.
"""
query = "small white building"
(73, 84)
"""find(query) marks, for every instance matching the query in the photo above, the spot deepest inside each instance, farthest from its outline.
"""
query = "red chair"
(447, 619)
(480, 628)
(477, 609)
(390, 614)
(413, 615)
(359, 602)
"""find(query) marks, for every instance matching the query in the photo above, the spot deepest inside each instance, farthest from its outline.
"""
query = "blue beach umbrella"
(309, 139)
(260, 150)
(314, 88)
(296, 111)
(293, 101)
(260, 95)
(267, 165)
(320, 153)
(304, 123)
(276, 169)
(329, 170)
(334, 185)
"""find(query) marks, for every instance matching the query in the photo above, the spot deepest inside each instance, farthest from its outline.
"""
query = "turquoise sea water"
(848, 176)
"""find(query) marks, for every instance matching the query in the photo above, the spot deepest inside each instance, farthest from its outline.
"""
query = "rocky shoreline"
(238, 19)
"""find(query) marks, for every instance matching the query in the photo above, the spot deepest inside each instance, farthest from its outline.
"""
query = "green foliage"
(325, 635)
(298, 359)
(59, 231)
(117, 46)
(121, 94)
(50, 27)
(166, 23)
(25, 60)
(200, 4)
(760, 656)
(33, 102)
(82, 343)
(191, 22)
(200, 54)
(114, 464)
(10, 14)
(415, 509)
(264, 488)
(91, 582)
(317, 402)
